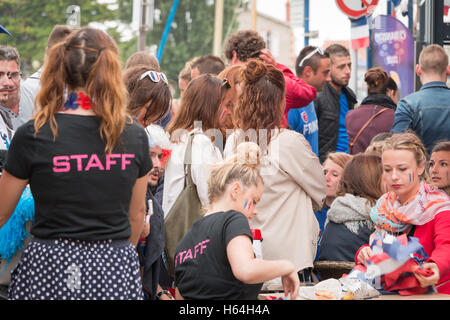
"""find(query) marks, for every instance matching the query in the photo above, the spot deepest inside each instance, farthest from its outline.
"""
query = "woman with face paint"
(414, 207)
(439, 166)
(198, 121)
(215, 259)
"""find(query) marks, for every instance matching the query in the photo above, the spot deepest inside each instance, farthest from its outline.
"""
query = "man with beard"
(334, 102)
(9, 92)
(313, 67)
(152, 243)
(9, 96)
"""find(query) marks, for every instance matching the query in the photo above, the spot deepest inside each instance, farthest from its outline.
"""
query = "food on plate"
(325, 295)
(348, 296)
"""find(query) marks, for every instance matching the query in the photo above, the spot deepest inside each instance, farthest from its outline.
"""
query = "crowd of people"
(113, 189)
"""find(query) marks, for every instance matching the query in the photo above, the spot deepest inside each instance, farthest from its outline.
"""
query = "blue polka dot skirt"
(77, 270)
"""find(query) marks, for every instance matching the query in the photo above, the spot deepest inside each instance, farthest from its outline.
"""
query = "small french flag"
(359, 33)
(446, 7)
(154, 76)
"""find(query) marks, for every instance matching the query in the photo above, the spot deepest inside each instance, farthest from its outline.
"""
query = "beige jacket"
(293, 183)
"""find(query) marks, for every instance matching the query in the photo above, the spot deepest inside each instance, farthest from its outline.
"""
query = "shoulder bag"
(351, 144)
(184, 212)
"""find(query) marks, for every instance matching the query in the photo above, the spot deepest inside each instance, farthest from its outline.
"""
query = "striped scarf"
(390, 215)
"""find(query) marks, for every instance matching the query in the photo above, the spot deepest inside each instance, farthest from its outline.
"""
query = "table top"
(431, 296)
(276, 290)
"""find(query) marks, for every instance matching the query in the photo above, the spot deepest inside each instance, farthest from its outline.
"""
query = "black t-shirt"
(79, 192)
(202, 270)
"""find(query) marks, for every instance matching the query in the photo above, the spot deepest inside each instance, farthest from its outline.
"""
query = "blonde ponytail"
(241, 166)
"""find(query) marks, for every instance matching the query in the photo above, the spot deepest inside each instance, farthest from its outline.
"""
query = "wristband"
(159, 294)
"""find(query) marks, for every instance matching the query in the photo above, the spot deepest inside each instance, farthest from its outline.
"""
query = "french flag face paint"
(411, 177)
(223, 114)
(248, 204)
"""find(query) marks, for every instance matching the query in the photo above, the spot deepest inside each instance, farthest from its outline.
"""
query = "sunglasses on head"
(309, 55)
(154, 76)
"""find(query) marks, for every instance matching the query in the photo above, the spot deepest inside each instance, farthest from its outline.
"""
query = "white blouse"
(204, 154)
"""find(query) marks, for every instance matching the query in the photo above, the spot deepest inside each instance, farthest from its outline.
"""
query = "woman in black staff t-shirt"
(86, 162)
(215, 259)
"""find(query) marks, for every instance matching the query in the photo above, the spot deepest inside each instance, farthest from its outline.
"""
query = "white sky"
(325, 16)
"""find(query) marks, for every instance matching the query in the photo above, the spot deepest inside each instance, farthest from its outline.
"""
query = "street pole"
(254, 15)
(389, 7)
(410, 17)
(354, 73)
(142, 26)
(166, 31)
(218, 25)
(306, 21)
(369, 48)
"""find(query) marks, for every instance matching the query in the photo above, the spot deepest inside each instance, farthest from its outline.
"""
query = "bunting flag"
(359, 33)
(446, 7)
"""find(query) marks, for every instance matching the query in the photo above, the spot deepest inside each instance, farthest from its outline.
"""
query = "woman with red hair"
(291, 172)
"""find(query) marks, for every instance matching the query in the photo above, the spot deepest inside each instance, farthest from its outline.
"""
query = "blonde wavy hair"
(87, 60)
(241, 166)
(411, 142)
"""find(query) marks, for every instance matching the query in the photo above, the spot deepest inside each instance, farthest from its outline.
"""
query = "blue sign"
(393, 50)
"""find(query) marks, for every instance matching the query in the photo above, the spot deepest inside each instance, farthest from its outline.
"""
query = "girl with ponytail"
(215, 259)
(86, 162)
(149, 94)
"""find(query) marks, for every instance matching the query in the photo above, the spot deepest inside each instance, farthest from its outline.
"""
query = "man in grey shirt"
(30, 87)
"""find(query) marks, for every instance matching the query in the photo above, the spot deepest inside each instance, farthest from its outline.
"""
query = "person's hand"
(266, 56)
(364, 255)
(421, 274)
(146, 227)
(166, 296)
(291, 283)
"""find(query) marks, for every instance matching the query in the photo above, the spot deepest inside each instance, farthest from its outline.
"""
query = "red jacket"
(298, 93)
(434, 236)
